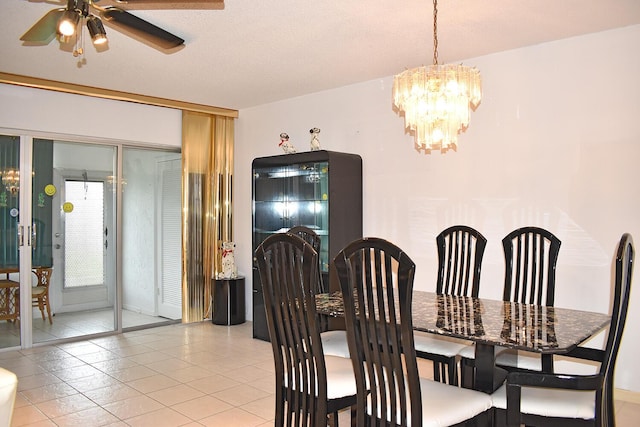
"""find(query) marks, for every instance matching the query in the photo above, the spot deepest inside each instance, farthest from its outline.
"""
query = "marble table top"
(509, 324)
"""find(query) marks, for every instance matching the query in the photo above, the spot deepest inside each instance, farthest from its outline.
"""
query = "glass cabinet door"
(286, 196)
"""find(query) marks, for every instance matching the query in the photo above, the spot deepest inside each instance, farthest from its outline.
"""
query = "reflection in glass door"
(9, 253)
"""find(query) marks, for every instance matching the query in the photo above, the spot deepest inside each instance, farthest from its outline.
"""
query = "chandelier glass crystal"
(437, 99)
(11, 180)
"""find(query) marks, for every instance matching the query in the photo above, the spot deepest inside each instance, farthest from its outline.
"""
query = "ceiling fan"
(66, 23)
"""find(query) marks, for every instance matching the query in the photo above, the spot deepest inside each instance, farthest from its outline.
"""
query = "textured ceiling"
(251, 52)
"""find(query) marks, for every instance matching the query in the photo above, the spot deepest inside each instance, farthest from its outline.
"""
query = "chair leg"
(436, 371)
(333, 419)
(17, 302)
(354, 416)
(453, 371)
(467, 373)
(48, 305)
(41, 307)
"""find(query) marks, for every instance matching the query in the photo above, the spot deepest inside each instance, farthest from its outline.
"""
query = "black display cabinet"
(321, 190)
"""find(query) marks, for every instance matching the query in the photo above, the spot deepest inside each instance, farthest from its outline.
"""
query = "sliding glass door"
(57, 255)
(102, 248)
(9, 249)
(151, 237)
(78, 212)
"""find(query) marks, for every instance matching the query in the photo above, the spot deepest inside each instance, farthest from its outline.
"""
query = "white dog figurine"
(229, 268)
(286, 146)
(315, 142)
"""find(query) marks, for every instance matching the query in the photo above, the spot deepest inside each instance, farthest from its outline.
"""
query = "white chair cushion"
(446, 405)
(8, 387)
(551, 402)
(341, 381)
(340, 378)
(334, 343)
(430, 343)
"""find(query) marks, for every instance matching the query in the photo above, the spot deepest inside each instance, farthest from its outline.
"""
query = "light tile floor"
(178, 375)
(72, 325)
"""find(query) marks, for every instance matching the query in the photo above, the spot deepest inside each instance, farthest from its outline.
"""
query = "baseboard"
(137, 310)
(627, 396)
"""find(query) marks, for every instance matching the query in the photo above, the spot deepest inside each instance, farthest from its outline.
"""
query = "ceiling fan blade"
(44, 30)
(167, 1)
(138, 27)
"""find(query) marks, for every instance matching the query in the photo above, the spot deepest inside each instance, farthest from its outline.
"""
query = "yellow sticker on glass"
(67, 207)
(50, 189)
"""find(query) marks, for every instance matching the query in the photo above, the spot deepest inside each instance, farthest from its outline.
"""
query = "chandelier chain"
(435, 32)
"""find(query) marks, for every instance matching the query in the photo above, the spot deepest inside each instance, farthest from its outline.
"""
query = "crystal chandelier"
(11, 180)
(437, 100)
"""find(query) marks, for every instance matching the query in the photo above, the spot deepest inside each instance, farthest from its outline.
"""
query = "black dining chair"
(460, 252)
(334, 342)
(311, 387)
(563, 399)
(311, 237)
(531, 255)
(376, 279)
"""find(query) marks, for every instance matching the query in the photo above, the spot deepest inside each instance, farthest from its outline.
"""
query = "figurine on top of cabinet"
(286, 146)
(315, 142)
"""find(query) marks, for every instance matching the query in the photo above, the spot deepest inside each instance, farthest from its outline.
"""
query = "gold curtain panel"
(207, 170)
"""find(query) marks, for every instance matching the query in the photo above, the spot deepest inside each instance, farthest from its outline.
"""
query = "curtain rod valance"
(37, 83)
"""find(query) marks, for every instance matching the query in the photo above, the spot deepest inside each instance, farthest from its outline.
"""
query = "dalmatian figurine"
(315, 142)
(229, 268)
(286, 146)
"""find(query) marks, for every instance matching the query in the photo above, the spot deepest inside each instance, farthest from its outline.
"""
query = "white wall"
(85, 119)
(554, 143)
(35, 110)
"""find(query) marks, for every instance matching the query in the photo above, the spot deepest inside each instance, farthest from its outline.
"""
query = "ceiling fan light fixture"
(96, 30)
(68, 22)
(68, 26)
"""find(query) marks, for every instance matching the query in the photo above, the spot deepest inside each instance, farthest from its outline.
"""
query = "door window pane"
(84, 227)
(9, 192)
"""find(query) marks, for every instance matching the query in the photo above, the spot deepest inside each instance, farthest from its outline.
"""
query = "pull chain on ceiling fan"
(66, 23)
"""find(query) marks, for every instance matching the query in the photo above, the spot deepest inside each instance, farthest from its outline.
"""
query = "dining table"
(490, 323)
